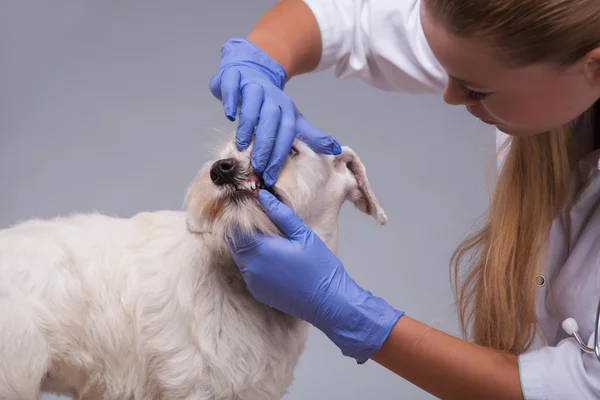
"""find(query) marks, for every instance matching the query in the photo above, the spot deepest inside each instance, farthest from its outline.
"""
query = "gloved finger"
(283, 143)
(316, 139)
(215, 85)
(252, 100)
(283, 216)
(230, 91)
(265, 134)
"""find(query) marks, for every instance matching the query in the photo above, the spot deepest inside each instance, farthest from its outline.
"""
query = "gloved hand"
(249, 74)
(300, 276)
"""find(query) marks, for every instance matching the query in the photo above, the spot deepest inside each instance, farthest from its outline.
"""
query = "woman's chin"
(511, 131)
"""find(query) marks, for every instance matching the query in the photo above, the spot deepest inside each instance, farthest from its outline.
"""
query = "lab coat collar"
(586, 135)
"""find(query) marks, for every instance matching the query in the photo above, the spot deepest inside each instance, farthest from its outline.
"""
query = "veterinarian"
(529, 67)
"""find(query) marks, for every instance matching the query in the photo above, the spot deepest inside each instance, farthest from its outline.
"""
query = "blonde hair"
(496, 297)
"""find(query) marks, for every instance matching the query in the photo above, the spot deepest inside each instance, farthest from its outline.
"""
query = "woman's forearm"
(288, 33)
(448, 367)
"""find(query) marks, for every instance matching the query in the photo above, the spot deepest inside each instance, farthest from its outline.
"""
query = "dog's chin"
(231, 211)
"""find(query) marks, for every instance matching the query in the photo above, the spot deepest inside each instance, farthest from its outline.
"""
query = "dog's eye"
(293, 152)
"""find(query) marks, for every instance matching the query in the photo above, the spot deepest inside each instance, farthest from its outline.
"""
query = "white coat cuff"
(560, 372)
(531, 372)
(332, 27)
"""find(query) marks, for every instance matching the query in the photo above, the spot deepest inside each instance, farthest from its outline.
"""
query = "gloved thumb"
(316, 139)
(283, 216)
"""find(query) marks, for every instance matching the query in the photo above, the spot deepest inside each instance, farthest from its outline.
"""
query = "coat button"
(540, 280)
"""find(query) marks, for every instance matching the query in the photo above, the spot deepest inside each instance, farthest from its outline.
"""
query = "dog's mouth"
(237, 180)
(252, 184)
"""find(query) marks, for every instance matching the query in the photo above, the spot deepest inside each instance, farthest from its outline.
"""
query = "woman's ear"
(591, 67)
(360, 194)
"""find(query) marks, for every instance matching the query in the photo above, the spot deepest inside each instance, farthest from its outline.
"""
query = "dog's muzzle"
(227, 172)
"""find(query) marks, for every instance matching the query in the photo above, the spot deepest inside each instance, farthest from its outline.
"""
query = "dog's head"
(223, 195)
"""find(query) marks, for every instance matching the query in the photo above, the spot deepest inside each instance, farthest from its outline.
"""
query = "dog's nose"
(223, 171)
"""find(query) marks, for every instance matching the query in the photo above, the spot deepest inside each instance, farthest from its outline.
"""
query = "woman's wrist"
(237, 51)
(355, 320)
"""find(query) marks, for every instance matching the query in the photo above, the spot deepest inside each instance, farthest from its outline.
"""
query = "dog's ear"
(360, 194)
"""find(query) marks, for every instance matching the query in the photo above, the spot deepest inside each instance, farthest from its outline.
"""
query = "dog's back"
(64, 307)
(112, 308)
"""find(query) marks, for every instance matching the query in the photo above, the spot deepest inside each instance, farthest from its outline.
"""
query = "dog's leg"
(23, 354)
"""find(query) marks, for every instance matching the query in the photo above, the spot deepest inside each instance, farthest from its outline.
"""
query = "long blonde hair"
(496, 296)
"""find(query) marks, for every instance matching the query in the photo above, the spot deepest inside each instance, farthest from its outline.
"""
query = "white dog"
(152, 307)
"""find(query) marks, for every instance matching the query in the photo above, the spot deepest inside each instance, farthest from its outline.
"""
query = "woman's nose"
(454, 96)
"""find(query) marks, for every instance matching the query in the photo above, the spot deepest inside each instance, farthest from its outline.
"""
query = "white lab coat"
(382, 43)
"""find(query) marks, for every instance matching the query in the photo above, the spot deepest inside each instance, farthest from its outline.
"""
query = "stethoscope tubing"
(569, 325)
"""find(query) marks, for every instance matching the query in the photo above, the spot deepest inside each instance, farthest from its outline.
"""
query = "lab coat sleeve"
(380, 42)
(560, 372)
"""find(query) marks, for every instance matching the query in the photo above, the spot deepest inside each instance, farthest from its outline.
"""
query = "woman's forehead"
(473, 63)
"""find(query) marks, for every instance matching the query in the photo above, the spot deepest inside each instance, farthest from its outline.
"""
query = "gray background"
(104, 106)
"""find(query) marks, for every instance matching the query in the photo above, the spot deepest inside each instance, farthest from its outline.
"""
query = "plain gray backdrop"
(104, 106)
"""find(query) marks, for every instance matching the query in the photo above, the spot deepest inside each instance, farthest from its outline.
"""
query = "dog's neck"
(326, 229)
(325, 226)
(218, 267)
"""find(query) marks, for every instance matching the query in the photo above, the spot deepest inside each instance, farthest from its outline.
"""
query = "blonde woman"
(529, 67)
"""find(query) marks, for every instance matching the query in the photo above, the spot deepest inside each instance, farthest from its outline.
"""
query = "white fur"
(152, 307)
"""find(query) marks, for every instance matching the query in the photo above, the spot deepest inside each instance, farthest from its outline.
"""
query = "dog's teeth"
(249, 185)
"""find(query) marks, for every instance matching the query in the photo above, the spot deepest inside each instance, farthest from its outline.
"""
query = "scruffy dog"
(153, 307)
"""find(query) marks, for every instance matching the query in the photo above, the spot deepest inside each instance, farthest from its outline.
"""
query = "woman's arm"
(288, 33)
(378, 41)
(448, 367)
(314, 286)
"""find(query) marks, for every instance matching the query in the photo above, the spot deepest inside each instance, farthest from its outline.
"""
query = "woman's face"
(518, 101)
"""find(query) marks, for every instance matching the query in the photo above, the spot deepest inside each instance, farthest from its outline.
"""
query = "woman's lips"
(484, 120)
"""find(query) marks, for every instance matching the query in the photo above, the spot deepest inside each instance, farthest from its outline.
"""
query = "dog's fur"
(152, 307)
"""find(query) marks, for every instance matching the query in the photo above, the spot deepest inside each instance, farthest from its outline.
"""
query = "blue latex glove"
(249, 74)
(300, 276)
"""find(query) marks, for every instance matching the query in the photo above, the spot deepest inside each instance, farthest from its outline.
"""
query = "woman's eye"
(473, 94)
(293, 152)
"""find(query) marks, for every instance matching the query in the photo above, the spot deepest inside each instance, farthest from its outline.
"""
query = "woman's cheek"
(511, 112)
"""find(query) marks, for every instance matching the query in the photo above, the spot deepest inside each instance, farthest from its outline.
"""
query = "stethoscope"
(569, 325)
